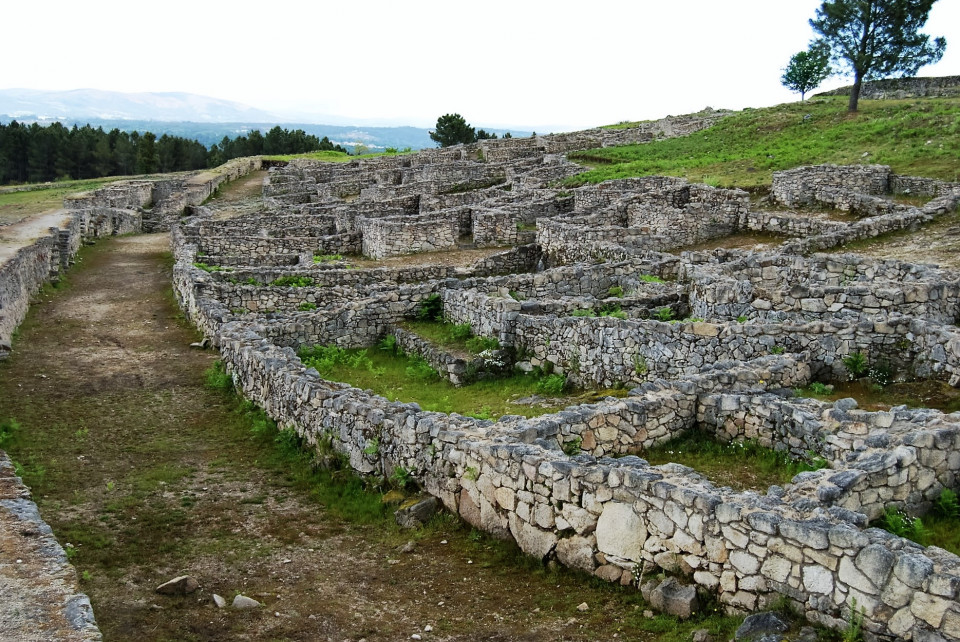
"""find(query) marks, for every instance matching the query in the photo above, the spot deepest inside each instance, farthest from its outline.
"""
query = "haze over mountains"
(193, 116)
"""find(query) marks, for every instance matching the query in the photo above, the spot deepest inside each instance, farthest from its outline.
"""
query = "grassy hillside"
(16, 205)
(919, 137)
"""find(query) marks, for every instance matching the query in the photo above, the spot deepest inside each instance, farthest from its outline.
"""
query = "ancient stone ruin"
(757, 324)
(753, 325)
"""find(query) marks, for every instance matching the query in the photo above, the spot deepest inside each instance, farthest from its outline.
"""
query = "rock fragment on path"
(183, 585)
(219, 601)
(244, 602)
(416, 513)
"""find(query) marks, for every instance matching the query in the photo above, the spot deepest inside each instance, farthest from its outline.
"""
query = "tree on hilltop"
(452, 129)
(874, 39)
(807, 69)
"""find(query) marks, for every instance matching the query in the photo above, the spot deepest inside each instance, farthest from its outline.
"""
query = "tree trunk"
(855, 93)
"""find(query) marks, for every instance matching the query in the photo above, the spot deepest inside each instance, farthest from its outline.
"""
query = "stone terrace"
(753, 326)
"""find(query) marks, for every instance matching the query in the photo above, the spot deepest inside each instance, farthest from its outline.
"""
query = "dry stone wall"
(606, 510)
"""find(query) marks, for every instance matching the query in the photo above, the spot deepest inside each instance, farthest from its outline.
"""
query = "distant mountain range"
(202, 118)
(113, 105)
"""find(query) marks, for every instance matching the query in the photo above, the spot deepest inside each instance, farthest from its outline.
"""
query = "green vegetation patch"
(919, 137)
(940, 527)
(741, 465)
(17, 205)
(927, 393)
(410, 379)
(452, 336)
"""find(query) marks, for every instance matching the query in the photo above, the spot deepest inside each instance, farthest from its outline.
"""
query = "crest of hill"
(918, 136)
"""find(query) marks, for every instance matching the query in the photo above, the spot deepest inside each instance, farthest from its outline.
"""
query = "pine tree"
(874, 39)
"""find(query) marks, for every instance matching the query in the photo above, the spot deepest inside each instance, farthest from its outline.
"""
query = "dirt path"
(148, 474)
(21, 234)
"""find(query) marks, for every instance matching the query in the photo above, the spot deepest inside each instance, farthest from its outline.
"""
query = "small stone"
(417, 512)
(409, 547)
(674, 598)
(244, 602)
(416, 636)
(583, 606)
(702, 635)
(183, 585)
(219, 601)
(760, 624)
(427, 628)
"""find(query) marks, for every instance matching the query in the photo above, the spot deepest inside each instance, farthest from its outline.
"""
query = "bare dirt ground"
(144, 474)
(26, 231)
(937, 243)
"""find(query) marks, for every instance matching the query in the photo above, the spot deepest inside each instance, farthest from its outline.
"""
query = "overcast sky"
(526, 64)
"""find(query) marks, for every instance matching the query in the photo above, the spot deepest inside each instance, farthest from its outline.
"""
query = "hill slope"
(919, 136)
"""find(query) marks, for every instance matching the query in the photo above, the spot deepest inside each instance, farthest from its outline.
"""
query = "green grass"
(17, 205)
(744, 149)
(442, 333)
(409, 379)
(741, 465)
(334, 485)
(940, 527)
(328, 156)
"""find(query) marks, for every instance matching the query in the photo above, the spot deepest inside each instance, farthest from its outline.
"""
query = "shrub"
(583, 313)
(553, 384)
(307, 306)
(217, 377)
(650, 278)
(7, 430)
(946, 505)
(856, 364)
(573, 447)
(401, 477)
(431, 308)
(420, 369)
(664, 314)
(389, 343)
(461, 332)
(819, 389)
(476, 345)
(615, 291)
(292, 281)
(612, 310)
(899, 523)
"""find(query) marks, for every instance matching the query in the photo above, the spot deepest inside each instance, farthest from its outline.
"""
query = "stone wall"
(383, 237)
(604, 510)
(41, 591)
(774, 286)
(899, 88)
(605, 516)
(821, 183)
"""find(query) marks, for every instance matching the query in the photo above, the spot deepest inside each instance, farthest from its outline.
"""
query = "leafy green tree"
(452, 129)
(482, 134)
(874, 39)
(807, 69)
(147, 154)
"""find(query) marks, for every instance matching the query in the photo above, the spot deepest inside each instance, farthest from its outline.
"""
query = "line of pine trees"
(34, 153)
